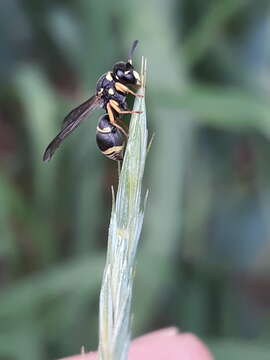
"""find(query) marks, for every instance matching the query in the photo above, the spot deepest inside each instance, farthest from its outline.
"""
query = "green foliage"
(203, 263)
(223, 350)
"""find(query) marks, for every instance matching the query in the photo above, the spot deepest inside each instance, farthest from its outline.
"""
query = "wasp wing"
(71, 122)
(82, 110)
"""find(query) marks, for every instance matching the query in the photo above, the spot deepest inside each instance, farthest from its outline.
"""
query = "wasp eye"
(120, 73)
(128, 76)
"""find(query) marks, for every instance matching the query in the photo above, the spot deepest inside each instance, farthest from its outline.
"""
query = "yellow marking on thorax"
(109, 76)
(111, 91)
(100, 91)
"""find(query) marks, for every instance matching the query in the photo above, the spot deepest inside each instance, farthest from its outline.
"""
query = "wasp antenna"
(131, 51)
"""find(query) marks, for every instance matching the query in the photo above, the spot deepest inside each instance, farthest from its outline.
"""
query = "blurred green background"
(203, 263)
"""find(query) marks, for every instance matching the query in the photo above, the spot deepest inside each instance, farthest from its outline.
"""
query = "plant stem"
(124, 233)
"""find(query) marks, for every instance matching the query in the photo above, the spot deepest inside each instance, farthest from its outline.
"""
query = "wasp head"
(125, 73)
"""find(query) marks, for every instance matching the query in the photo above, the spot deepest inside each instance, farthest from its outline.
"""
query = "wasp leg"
(124, 89)
(114, 105)
(112, 120)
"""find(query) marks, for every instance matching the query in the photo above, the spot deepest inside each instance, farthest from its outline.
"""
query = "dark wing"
(70, 122)
(82, 110)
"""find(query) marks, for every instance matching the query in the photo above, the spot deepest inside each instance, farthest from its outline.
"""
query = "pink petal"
(165, 344)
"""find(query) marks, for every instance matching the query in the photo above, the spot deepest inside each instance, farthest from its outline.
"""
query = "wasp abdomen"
(110, 140)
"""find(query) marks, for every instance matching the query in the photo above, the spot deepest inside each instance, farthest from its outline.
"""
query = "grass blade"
(124, 233)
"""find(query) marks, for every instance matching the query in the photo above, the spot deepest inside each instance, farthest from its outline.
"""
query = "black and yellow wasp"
(111, 91)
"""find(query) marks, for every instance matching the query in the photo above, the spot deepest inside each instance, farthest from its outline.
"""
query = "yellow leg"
(112, 120)
(124, 89)
(117, 108)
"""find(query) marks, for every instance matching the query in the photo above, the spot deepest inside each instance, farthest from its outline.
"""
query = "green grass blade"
(124, 233)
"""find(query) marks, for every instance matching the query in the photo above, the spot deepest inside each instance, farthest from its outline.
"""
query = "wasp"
(111, 91)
